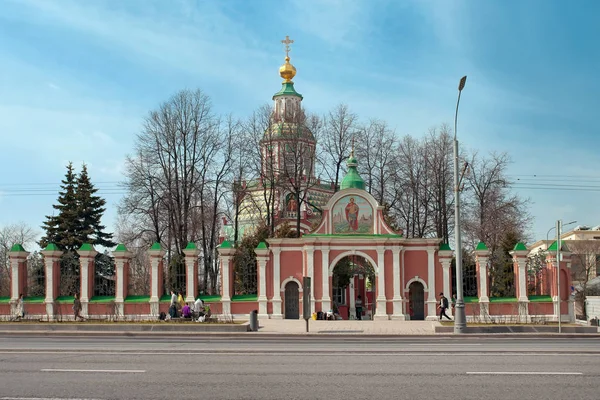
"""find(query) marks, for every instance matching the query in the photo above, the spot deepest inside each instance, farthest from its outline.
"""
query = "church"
(392, 276)
(360, 268)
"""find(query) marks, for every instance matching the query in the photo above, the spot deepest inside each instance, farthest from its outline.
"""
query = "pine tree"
(90, 209)
(62, 229)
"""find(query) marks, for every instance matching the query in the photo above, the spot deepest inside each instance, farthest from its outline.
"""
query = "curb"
(293, 336)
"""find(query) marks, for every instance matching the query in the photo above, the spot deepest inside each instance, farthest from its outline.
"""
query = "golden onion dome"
(287, 71)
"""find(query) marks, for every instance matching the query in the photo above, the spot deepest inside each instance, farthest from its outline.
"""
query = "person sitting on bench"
(186, 311)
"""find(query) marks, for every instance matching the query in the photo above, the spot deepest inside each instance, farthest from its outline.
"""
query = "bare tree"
(259, 196)
(339, 126)
(176, 180)
(374, 148)
(18, 233)
(585, 265)
(490, 207)
(297, 149)
(438, 158)
(412, 198)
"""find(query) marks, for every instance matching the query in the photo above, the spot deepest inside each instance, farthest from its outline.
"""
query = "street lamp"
(554, 227)
(460, 319)
(559, 225)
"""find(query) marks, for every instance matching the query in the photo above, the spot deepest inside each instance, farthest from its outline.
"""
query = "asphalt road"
(298, 368)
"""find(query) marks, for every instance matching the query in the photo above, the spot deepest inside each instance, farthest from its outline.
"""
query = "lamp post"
(558, 227)
(554, 227)
(460, 319)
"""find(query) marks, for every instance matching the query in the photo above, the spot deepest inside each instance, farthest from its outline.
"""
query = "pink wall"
(415, 264)
(317, 281)
(291, 265)
(5, 309)
(243, 307)
(388, 258)
(35, 308)
(137, 308)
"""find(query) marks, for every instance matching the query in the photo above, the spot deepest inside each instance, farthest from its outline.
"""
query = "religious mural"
(352, 214)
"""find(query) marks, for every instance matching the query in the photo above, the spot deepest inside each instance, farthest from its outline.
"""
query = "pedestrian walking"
(443, 306)
(359, 307)
(77, 308)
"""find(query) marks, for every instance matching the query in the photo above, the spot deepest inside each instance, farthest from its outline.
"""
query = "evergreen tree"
(62, 229)
(90, 209)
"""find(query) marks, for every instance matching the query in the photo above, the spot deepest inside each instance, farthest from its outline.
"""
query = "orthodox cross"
(287, 43)
(352, 151)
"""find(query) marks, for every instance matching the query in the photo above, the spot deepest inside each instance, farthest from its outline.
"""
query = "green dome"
(287, 89)
(288, 130)
(352, 180)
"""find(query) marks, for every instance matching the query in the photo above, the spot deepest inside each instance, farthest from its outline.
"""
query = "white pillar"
(191, 272)
(262, 286)
(52, 266)
(397, 299)
(447, 284)
(325, 299)
(483, 288)
(381, 312)
(276, 284)
(310, 263)
(225, 292)
(431, 300)
(120, 289)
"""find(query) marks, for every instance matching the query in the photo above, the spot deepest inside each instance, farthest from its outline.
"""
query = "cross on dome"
(287, 41)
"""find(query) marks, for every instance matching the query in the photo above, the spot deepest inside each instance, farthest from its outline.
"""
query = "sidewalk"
(353, 327)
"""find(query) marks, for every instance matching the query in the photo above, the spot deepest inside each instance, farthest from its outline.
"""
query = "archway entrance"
(416, 302)
(353, 278)
(291, 301)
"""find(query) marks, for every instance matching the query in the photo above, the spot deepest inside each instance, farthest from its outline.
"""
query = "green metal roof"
(191, 246)
(17, 247)
(226, 244)
(121, 248)
(155, 246)
(51, 247)
(352, 180)
(520, 247)
(262, 245)
(563, 246)
(287, 89)
(445, 246)
(86, 247)
(481, 246)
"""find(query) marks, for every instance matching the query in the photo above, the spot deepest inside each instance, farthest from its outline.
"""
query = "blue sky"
(78, 77)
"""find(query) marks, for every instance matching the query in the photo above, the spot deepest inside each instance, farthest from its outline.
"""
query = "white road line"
(445, 344)
(522, 373)
(40, 398)
(348, 353)
(120, 371)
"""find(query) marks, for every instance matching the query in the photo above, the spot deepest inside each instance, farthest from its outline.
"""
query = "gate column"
(381, 312)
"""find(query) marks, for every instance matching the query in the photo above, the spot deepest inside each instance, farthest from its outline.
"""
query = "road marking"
(40, 398)
(119, 371)
(348, 353)
(523, 373)
(445, 344)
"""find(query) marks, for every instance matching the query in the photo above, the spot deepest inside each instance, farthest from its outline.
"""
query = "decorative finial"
(287, 71)
(287, 43)
(352, 150)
